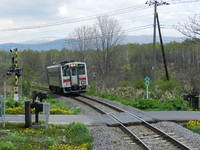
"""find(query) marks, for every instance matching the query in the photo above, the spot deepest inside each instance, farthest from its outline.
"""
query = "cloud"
(35, 12)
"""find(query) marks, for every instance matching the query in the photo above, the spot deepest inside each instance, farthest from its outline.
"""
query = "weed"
(15, 138)
(7, 146)
(77, 133)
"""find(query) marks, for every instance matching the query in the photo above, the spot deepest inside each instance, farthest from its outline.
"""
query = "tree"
(190, 28)
(107, 34)
(103, 37)
(82, 36)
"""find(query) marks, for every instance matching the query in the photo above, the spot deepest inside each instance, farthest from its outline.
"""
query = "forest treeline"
(125, 64)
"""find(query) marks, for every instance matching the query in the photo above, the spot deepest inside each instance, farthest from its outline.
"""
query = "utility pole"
(156, 20)
(162, 48)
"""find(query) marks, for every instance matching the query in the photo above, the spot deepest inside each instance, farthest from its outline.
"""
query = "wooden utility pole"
(156, 20)
(162, 48)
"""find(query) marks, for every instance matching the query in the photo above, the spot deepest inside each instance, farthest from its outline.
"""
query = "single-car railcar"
(67, 77)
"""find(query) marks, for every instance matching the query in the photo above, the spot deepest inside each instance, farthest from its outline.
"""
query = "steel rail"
(128, 131)
(148, 125)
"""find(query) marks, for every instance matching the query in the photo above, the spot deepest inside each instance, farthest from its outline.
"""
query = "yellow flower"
(69, 147)
(60, 111)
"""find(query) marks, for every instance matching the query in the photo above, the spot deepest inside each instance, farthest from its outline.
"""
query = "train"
(67, 77)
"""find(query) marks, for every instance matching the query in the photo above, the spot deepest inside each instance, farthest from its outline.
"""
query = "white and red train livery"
(67, 77)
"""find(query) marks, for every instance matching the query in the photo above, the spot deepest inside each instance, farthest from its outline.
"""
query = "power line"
(80, 19)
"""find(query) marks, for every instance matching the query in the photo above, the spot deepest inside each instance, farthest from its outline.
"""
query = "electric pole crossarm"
(162, 47)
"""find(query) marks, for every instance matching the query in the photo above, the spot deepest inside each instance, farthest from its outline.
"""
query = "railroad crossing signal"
(14, 69)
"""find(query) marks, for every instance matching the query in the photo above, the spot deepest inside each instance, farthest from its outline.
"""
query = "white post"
(147, 90)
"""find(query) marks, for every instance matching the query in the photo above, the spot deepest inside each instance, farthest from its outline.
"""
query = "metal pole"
(28, 117)
(4, 103)
(162, 48)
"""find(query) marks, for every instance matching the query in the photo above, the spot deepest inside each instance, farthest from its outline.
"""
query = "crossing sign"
(147, 81)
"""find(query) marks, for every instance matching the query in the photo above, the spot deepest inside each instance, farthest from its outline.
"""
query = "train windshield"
(66, 71)
(81, 69)
(74, 70)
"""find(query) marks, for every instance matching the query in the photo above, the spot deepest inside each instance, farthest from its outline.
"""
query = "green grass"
(147, 104)
(17, 137)
(13, 108)
(193, 125)
(196, 129)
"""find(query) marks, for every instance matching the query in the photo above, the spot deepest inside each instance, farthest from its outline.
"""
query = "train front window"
(66, 71)
(74, 71)
(81, 69)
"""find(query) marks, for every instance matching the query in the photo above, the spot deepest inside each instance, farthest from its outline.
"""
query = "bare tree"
(107, 34)
(81, 40)
(191, 28)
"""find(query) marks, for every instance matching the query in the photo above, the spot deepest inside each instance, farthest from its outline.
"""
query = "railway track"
(145, 134)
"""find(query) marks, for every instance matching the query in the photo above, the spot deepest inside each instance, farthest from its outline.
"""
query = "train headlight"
(83, 82)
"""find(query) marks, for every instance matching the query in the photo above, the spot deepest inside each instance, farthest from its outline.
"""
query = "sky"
(35, 21)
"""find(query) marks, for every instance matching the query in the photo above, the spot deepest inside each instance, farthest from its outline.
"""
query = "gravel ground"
(186, 136)
(151, 138)
(111, 138)
(84, 109)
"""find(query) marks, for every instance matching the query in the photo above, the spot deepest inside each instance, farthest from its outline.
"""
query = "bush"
(140, 84)
(147, 104)
(175, 104)
(50, 141)
(165, 85)
(7, 146)
(78, 133)
(15, 138)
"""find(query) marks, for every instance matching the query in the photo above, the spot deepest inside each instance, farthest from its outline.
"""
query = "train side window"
(81, 69)
(66, 71)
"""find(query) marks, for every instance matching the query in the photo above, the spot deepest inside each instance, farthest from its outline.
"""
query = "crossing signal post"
(14, 69)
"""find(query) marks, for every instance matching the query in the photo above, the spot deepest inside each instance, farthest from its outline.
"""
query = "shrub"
(15, 138)
(140, 84)
(7, 146)
(146, 104)
(165, 85)
(78, 133)
(50, 141)
(175, 104)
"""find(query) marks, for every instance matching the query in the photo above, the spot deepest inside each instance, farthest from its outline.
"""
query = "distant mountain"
(57, 44)
(61, 43)
(149, 39)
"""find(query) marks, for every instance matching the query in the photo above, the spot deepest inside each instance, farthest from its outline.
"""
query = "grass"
(56, 106)
(74, 136)
(193, 125)
(147, 104)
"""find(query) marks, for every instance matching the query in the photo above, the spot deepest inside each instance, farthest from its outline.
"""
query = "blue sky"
(33, 13)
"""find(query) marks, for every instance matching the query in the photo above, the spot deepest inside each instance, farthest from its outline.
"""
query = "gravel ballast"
(111, 138)
(186, 136)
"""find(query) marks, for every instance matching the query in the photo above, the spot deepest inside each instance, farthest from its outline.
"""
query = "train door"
(74, 76)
